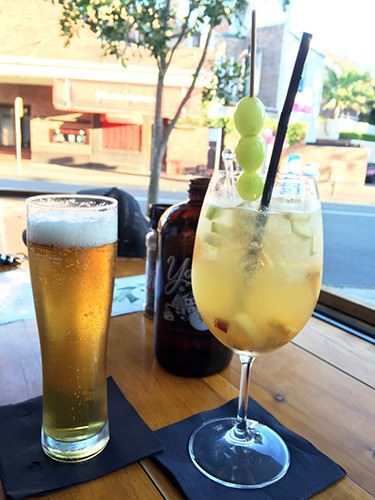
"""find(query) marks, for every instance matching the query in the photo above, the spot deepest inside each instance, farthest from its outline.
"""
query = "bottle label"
(180, 303)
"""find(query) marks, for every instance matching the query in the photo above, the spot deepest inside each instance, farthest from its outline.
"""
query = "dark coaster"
(24, 468)
(310, 471)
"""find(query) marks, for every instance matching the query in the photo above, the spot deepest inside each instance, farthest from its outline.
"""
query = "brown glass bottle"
(183, 344)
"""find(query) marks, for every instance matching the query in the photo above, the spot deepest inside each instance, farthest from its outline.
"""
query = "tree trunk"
(157, 152)
(160, 136)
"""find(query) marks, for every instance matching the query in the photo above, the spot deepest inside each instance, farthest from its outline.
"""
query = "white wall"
(331, 128)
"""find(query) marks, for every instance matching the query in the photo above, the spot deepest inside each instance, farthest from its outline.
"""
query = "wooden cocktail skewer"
(252, 53)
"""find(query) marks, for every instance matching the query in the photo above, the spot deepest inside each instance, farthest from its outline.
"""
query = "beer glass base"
(75, 451)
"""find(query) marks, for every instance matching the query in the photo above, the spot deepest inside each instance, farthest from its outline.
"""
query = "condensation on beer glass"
(72, 243)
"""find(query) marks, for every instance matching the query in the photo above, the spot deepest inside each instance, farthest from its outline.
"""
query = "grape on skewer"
(249, 116)
(250, 151)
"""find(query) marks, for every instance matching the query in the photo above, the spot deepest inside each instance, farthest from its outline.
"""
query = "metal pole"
(18, 114)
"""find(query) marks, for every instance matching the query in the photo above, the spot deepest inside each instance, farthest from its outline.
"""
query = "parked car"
(370, 175)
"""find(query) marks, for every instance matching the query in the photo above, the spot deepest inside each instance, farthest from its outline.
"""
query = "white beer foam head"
(71, 230)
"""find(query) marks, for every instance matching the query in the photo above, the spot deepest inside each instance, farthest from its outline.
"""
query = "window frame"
(346, 314)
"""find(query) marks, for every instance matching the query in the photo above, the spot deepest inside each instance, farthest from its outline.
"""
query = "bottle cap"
(198, 187)
(199, 182)
(156, 210)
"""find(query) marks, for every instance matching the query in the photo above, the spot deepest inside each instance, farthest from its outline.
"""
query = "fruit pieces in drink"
(259, 300)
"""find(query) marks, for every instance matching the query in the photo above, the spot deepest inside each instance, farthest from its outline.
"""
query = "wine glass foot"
(251, 459)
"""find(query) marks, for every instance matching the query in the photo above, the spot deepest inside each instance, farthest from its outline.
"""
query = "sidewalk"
(346, 193)
(43, 177)
(40, 177)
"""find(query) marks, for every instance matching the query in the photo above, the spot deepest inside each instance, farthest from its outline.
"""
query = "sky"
(343, 27)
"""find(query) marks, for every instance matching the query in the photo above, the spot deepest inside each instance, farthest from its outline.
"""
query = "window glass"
(7, 134)
(84, 108)
(338, 147)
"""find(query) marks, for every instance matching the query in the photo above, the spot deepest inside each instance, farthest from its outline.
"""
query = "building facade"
(80, 108)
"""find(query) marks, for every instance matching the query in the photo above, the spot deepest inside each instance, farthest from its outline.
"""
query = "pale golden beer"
(72, 250)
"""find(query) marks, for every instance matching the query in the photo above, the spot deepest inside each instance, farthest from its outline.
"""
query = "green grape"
(249, 116)
(249, 186)
(250, 153)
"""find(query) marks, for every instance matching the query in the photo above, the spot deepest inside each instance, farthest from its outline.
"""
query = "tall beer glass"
(72, 242)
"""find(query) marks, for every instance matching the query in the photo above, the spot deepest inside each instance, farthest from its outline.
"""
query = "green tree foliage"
(358, 136)
(158, 26)
(226, 87)
(348, 92)
(227, 83)
(295, 134)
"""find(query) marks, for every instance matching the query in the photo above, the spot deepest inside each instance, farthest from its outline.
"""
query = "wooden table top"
(321, 385)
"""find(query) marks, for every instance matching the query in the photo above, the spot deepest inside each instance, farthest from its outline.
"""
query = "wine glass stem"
(246, 364)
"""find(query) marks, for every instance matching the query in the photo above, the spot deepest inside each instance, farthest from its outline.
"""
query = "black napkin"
(24, 468)
(310, 470)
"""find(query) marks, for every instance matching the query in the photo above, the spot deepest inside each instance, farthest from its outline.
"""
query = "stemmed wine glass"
(256, 278)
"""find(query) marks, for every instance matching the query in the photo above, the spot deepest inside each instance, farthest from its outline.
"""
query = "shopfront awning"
(120, 97)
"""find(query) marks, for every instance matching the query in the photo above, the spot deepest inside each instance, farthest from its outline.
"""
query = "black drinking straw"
(284, 120)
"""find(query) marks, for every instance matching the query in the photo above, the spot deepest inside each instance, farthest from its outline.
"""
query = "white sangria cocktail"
(257, 276)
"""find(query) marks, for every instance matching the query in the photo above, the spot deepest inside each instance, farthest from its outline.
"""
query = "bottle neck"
(197, 190)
